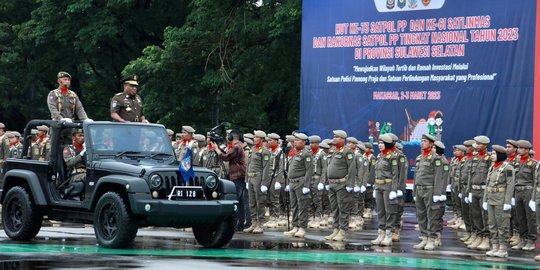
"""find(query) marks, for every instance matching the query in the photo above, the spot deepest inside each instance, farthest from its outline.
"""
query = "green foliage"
(200, 61)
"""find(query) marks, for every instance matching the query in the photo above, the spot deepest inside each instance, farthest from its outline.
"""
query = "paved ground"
(72, 246)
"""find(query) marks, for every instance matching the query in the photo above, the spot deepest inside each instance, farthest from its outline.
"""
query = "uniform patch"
(349, 156)
(204, 158)
(394, 162)
(66, 151)
(308, 159)
(266, 157)
(365, 163)
(388, 156)
(446, 167)
(402, 159)
(437, 162)
(195, 150)
(114, 104)
(324, 157)
(51, 97)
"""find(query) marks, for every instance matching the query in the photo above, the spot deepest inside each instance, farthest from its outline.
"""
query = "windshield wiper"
(126, 153)
(160, 154)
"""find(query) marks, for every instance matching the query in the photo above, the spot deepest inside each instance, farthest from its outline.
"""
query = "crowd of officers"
(337, 182)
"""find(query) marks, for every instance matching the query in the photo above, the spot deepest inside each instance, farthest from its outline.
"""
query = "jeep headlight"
(211, 182)
(155, 181)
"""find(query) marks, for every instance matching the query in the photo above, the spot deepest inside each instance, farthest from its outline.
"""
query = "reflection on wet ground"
(75, 247)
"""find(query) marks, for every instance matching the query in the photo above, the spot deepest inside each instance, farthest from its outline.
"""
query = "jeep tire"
(21, 217)
(114, 224)
(215, 235)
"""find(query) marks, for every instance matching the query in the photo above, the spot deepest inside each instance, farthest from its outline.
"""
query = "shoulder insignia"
(266, 157)
(308, 159)
(529, 163)
(388, 156)
(394, 162)
(195, 150)
(349, 156)
(119, 94)
(428, 156)
(445, 167)
(260, 150)
(475, 158)
(402, 159)
(324, 157)
(438, 162)
(66, 151)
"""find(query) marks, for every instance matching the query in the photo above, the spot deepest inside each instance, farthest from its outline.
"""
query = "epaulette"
(119, 94)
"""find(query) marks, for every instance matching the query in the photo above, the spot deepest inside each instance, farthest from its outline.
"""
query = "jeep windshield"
(133, 141)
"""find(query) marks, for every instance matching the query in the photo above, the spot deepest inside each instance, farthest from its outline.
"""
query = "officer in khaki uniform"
(325, 202)
(402, 187)
(74, 157)
(127, 106)
(441, 205)
(300, 175)
(41, 149)
(359, 190)
(524, 180)
(511, 152)
(64, 103)
(316, 194)
(427, 192)
(13, 141)
(385, 193)
(170, 133)
(464, 191)
(341, 174)
(456, 170)
(277, 161)
(497, 199)
(258, 174)
(535, 203)
(188, 142)
(354, 221)
(478, 170)
(369, 201)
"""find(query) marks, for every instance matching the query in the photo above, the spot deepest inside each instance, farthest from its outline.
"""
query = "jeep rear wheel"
(215, 236)
(114, 224)
(21, 217)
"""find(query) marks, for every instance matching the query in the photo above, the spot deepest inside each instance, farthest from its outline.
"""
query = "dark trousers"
(479, 216)
(242, 217)
(525, 217)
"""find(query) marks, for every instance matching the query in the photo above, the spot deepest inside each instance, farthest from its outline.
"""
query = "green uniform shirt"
(478, 169)
(65, 106)
(130, 108)
(387, 167)
(259, 162)
(342, 164)
(503, 178)
(302, 166)
(370, 170)
(525, 172)
(429, 172)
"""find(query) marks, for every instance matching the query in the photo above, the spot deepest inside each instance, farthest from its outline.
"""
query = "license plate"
(183, 193)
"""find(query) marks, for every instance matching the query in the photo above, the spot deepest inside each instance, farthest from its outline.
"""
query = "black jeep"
(132, 180)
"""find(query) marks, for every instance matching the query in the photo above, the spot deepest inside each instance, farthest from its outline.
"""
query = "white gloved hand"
(470, 197)
(247, 185)
(264, 189)
(368, 185)
(277, 186)
(513, 201)
(392, 195)
(349, 189)
(67, 120)
(467, 200)
(287, 188)
(532, 205)
(449, 187)
(362, 189)
(356, 189)
(320, 186)
(443, 198)
(460, 196)
(88, 120)
(506, 207)
(436, 198)
(327, 187)
(305, 190)
(484, 206)
(399, 193)
(414, 199)
(374, 193)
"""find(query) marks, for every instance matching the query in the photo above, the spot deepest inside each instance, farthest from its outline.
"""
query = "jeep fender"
(228, 190)
(13, 178)
(120, 182)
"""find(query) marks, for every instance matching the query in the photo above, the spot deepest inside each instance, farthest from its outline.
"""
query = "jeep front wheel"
(215, 236)
(21, 217)
(114, 224)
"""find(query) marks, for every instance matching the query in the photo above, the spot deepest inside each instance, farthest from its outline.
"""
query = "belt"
(296, 180)
(252, 174)
(337, 181)
(478, 187)
(424, 187)
(383, 181)
(521, 188)
(496, 189)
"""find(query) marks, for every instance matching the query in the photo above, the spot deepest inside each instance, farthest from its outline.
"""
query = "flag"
(186, 170)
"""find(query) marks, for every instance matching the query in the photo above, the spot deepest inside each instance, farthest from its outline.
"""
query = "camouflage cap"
(324, 145)
(131, 79)
(340, 133)
(482, 139)
(63, 74)
(468, 143)
(386, 138)
(188, 129)
(248, 135)
(314, 139)
(274, 136)
(524, 144)
(439, 144)
(259, 133)
(43, 128)
(199, 137)
(429, 137)
(460, 147)
(393, 136)
(499, 149)
(301, 136)
(511, 142)
(170, 132)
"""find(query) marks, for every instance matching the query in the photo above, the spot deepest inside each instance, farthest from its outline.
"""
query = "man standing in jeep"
(75, 159)
(64, 103)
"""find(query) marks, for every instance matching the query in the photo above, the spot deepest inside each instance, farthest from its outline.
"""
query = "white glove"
(287, 188)
(88, 120)
(399, 193)
(356, 189)
(362, 189)
(436, 198)
(349, 189)
(305, 190)
(392, 195)
(374, 193)
(460, 196)
(414, 199)
(67, 120)
(467, 200)
(470, 197)
(277, 186)
(513, 201)
(264, 189)
(327, 187)
(247, 185)
(449, 187)
(442, 198)
(320, 186)
(484, 205)
(368, 185)
(506, 207)
(532, 205)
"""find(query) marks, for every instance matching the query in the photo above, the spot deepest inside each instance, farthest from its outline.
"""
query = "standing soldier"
(188, 142)
(300, 174)
(440, 207)
(127, 106)
(354, 222)
(456, 170)
(325, 203)
(13, 149)
(511, 152)
(402, 189)
(536, 199)
(42, 144)
(258, 182)
(386, 186)
(64, 103)
(316, 203)
(170, 133)
(4, 147)
(524, 178)
(464, 191)
(341, 174)
(369, 200)
(278, 181)
(360, 186)
(427, 191)
(497, 198)
(479, 167)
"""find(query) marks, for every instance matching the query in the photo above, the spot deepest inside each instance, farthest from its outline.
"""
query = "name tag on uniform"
(339, 156)
(297, 158)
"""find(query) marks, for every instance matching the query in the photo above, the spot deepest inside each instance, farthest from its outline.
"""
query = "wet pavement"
(74, 246)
